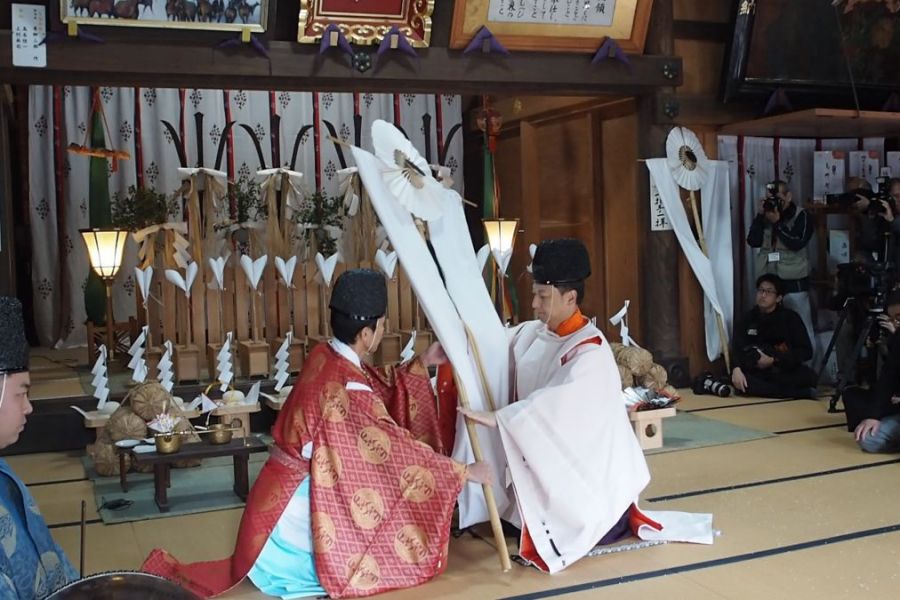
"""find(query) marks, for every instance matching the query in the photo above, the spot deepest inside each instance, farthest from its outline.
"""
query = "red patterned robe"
(382, 494)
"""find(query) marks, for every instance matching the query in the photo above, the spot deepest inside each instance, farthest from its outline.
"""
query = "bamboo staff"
(494, 515)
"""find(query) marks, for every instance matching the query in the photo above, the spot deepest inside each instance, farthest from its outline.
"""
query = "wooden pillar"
(660, 314)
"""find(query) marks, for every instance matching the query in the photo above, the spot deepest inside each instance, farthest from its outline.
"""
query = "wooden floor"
(804, 514)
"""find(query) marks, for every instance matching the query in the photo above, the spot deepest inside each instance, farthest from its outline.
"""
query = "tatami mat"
(802, 515)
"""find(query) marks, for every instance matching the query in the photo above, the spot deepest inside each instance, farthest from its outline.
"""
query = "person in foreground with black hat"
(32, 565)
(576, 465)
(771, 346)
(357, 495)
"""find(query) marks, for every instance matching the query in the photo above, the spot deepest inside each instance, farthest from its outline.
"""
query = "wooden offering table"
(239, 449)
(648, 426)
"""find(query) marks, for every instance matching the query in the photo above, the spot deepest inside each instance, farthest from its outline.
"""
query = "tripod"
(869, 330)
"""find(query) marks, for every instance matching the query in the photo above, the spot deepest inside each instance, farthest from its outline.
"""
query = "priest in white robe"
(575, 464)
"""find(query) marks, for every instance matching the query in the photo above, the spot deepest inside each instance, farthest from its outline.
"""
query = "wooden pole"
(81, 554)
(720, 324)
(494, 515)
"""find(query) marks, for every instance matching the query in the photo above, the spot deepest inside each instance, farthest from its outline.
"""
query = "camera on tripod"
(772, 202)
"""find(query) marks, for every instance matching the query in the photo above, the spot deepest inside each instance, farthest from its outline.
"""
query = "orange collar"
(572, 324)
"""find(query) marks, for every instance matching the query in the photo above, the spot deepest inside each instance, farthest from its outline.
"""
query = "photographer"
(770, 346)
(873, 415)
(781, 231)
(879, 229)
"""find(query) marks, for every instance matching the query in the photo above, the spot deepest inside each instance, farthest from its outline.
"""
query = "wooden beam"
(291, 66)
(704, 31)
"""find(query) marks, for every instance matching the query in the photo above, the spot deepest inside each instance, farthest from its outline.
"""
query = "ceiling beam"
(291, 66)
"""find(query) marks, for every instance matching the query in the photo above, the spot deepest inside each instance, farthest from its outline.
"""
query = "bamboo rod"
(494, 515)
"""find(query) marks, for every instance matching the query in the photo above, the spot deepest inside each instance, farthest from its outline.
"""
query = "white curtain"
(59, 193)
(728, 153)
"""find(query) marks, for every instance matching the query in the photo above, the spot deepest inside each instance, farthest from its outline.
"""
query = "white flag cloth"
(441, 313)
(714, 274)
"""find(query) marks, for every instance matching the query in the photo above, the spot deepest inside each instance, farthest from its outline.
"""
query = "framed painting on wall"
(553, 25)
(853, 43)
(221, 15)
(366, 22)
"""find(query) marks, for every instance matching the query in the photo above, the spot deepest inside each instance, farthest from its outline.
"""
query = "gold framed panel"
(629, 28)
(208, 15)
(367, 26)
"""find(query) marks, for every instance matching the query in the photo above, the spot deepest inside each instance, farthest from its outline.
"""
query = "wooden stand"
(296, 353)
(254, 358)
(229, 413)
(388, 352)
(648, 426)
(187, 363)
(151, 357)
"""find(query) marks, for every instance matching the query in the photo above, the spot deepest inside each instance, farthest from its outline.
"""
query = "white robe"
(575, 462)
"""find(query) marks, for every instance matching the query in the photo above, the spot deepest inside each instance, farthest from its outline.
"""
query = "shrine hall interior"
(130, 117)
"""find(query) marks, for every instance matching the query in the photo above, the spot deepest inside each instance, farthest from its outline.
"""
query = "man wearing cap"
(575, 463)
(357, 495)
(771, 345)
(32, 565)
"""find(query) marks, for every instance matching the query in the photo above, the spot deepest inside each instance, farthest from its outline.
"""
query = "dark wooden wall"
(566, 169)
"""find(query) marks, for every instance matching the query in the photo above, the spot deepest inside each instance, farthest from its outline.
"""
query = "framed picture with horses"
(222, 15)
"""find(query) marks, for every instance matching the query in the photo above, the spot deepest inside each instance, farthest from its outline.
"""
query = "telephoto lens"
(707, 384)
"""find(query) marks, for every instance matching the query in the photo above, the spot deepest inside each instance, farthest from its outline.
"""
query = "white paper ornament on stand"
(282, 362)
(138, 364)
(165, 374)
(100, 382)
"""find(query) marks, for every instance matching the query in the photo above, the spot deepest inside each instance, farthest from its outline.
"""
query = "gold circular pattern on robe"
(335, 403)
(268, 497)
(411, 544)
(367, 508)
(413, 408)
(326, 467)
(417, 484)
(324, 533)
(374, 445)
(363, 572)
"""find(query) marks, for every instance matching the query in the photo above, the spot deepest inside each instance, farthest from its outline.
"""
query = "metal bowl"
(168, 444)
(220, 433)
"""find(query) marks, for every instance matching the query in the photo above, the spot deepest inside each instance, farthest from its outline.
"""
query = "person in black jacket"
(770, 346)
(874, 415)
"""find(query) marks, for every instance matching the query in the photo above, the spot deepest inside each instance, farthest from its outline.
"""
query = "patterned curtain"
(266, 124)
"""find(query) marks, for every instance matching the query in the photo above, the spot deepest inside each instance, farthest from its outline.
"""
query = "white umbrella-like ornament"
(407, 175)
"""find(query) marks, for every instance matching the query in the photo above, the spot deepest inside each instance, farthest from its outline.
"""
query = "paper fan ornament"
(686, 159)
(407, 175)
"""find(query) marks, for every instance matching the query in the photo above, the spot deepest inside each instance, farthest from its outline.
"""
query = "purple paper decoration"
(236, 41)
(342, 44)
(485, 41)
(53, 37)
(610, 49)
(403, 44)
